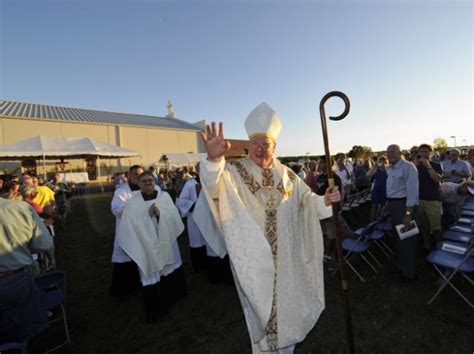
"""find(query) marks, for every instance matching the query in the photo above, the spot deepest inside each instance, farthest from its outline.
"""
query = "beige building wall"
(150, 143)
(78, 130)
(1, 132)
(20, 129)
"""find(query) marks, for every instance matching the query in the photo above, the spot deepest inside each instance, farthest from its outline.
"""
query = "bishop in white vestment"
(269, 220)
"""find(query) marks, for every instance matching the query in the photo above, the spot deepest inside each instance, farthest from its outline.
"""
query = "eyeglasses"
(264, 146)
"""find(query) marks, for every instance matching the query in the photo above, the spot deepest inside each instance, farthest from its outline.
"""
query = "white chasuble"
(146, 240)
(269, 220)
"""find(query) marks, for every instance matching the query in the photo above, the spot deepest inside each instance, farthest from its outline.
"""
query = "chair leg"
(375, 259)
(447, 281)
(370, 265)
(66, 330)
(354, 270)
(461, 294)
(382, 249)
(387, 247)
(471, 281)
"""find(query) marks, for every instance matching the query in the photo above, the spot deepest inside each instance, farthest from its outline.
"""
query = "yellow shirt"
(45, 196)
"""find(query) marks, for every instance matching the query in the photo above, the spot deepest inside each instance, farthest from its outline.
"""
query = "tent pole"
(98, 174)
(44, 168)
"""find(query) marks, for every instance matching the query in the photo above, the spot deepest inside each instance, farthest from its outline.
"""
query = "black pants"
(198, 258)
(405, 249)
(125, 279)
(174, 286)
(218, 271)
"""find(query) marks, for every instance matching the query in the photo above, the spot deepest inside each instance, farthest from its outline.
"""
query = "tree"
(439, 144)
(359, 151)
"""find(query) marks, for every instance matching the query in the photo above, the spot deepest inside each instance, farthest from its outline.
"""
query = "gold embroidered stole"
(269, 196)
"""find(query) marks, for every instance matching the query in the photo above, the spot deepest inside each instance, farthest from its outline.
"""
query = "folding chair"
(453, 264)
(468, 206)
(370, 234)
(457, 236)
(383, 227)
(466, 220)
(351, 207)
(52, 300)
(13, 348)
(359, 246)
(51, 279)
(346, 206)
(467, 212)
(459, 227)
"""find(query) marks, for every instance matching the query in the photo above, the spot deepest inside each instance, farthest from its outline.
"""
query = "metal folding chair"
(52, 300)
(359, 246)
(13, 348)
(453, 263)
(457, 236)
(52, 280)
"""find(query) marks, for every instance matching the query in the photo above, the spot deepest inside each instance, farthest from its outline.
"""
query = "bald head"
(394, 154)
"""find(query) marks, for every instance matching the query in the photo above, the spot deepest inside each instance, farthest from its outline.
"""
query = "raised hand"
(216, 145)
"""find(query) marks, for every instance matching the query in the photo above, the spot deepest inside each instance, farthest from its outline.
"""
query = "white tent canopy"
(48, 147)
(53, 147)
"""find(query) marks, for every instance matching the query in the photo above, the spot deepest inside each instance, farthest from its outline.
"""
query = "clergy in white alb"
(151, 240)
(269, 220)
(125, 278)
(148, 232)
(185, 204)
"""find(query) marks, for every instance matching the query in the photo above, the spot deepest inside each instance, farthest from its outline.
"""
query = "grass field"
(387, 317)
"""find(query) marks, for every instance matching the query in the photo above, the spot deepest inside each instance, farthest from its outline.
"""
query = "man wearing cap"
(269, 220)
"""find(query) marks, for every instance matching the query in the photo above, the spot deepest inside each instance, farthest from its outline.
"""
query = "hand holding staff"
(340, 255)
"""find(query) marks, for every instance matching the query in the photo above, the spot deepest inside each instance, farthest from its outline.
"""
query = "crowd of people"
(29, 209)
(254, 222)
(417, 184)
(170, 180)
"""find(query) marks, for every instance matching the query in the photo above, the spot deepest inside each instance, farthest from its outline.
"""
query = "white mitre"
(263, 121)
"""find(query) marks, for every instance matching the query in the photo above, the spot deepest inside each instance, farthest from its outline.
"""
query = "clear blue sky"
(407, 66)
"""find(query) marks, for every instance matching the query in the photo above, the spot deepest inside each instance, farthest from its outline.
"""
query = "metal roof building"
(13, 109)
(151, 136)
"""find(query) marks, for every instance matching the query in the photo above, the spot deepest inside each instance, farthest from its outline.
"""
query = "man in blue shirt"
(456, 170)
(402, 197)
